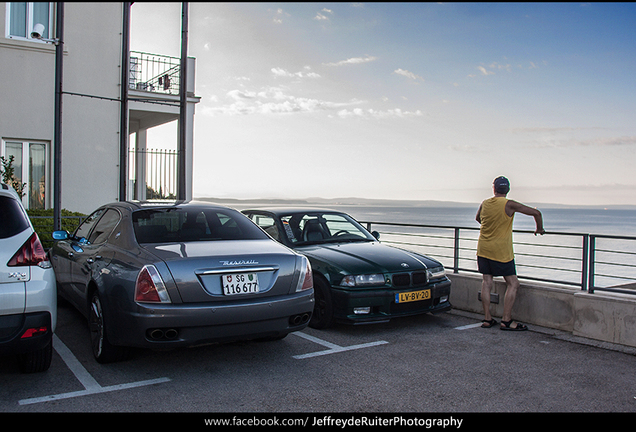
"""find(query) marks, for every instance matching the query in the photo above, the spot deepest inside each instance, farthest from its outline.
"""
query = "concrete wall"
(602, 316)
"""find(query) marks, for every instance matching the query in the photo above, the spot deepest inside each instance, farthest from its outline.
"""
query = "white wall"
(90, 126)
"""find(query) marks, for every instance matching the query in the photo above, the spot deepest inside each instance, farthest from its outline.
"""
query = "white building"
(92, 110)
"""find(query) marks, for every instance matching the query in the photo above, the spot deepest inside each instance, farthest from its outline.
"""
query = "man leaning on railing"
(495, 255)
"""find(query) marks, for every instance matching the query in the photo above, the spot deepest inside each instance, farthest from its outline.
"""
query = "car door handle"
(92, 260)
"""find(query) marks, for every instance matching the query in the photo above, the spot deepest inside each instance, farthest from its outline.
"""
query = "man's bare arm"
(513, 207)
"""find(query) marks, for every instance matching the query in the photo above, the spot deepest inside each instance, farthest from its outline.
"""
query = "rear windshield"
(170, 225)
(12, 218)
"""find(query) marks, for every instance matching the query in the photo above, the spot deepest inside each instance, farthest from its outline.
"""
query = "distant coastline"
(352, 201)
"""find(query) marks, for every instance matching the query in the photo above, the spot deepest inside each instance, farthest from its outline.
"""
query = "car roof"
(280, 211)
(144, 205)
(7, 190)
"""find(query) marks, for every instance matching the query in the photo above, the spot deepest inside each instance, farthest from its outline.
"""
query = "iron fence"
(590, 262)
(154, 73)
(161, 172)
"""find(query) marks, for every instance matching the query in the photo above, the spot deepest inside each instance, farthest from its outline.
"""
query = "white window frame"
(29, 22)
(25, 167)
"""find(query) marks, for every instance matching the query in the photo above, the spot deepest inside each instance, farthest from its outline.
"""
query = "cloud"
(272, 100)
(407, 74)
(353, 60)
(496, 66)
(241, 95)
(321, 17)
(359, 112)
(279, 15)
(554, 137)
(609, 141)
(484, 71)
(280, 72)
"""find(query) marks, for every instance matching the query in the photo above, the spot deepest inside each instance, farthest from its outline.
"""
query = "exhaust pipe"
(161, 334)
(156, 334)
(297, 320)
(171, 334)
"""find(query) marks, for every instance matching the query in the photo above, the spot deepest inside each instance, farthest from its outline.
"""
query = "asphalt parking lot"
(426, 364)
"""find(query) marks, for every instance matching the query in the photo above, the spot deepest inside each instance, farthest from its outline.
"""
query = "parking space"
(441, 363)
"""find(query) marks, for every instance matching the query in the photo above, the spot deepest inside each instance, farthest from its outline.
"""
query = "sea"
(556, 257)
(615, 221)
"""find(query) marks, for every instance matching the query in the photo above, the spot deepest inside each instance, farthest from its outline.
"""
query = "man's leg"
(486, 287)
(512, 285)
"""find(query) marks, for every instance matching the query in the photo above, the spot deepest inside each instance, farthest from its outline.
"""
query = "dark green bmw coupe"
(356, 278)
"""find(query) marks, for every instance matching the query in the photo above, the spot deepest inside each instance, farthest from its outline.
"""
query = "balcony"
(154, 73)
(154, 100)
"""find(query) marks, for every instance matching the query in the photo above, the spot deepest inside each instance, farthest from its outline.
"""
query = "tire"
(322, 317)
(36, 361)
(103, 350)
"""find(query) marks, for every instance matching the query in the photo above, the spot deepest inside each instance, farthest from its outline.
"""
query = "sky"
(409, 101)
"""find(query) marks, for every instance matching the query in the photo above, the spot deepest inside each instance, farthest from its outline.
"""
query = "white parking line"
(333, 348)
(90, 385)
(469, 326)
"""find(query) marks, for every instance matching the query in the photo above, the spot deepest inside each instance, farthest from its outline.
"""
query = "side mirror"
(60, 235)
(376, 235)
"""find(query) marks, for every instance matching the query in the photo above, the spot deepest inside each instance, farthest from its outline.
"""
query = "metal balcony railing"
(588, 261)
(154, 73)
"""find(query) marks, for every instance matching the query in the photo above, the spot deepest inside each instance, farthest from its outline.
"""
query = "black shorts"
(496, 268)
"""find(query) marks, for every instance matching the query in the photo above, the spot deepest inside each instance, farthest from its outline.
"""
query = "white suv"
(28, 294)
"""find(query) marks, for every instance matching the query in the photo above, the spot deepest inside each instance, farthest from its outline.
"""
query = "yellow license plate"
(412, 296)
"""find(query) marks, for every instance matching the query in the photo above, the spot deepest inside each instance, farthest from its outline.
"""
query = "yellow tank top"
(495, 234)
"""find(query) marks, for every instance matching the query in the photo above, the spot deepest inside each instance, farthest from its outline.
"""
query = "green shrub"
(42, 221)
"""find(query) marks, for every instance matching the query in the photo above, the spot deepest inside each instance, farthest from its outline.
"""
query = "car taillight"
(32, 332)
(307, 278)
(149, 287)
(31, 253)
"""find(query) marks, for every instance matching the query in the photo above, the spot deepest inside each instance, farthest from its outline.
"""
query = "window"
(268, 224)
(323, 227)
(30, 164)
(176, 224)
(13, 219)
(104, 227)
(23, 16)
(85, 228)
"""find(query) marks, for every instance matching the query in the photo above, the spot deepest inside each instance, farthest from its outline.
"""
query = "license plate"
(412, 296)
(240, 283)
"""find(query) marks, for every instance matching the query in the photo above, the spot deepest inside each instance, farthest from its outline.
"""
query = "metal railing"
(161, 172)
(154, 73)
(590, 262)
